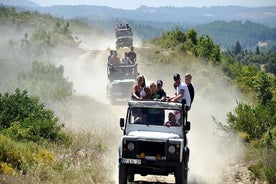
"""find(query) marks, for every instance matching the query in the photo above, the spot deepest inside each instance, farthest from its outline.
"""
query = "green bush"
(24, 118)
(254, 121)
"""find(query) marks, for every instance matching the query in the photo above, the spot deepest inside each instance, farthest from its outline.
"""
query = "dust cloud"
(90, 109)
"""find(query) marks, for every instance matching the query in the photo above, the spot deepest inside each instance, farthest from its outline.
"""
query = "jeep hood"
(153, 135)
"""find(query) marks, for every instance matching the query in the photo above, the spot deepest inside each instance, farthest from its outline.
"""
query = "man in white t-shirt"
(182, 91)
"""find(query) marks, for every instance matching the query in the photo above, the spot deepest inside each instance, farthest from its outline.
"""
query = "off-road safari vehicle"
(120, 81)
(148, 147)
(124, 38)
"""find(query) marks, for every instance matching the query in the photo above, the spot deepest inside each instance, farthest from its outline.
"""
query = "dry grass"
(85, 161)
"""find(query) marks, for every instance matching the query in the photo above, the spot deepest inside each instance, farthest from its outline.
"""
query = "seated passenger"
(137, 116)
(126, 60)
(139, 90)
(160, 91)
(153, 89)
(121, 26)
(110, 55)
(127, 26)
(171, 120)
(114, 60)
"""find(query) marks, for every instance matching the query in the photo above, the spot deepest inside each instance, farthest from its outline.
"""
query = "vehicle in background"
(121, 78)
(124, 36)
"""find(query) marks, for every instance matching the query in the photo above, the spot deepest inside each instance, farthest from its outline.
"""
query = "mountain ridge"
(179, 15)
(24, 3)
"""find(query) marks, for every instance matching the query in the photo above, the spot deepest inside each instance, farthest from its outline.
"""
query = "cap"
(159, 82)
(176, 76)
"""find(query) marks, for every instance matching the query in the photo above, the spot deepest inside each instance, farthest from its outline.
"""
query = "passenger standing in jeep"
(182, 91)
(188, 78)
(132, 55)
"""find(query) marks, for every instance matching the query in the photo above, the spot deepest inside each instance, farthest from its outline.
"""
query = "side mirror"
(188, 125)
(122, 122)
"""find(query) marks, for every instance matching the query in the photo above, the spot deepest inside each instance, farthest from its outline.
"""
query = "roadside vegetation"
(35, 145)
(254, 120)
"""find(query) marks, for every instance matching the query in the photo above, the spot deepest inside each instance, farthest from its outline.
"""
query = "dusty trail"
(209, 158)
(91, 109)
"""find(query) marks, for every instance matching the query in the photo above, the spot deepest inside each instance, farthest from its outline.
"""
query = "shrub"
(19, 156)
(24, 118)
(254, 121)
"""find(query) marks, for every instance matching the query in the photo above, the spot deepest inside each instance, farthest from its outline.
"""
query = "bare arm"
(178, 97)
(133, 92)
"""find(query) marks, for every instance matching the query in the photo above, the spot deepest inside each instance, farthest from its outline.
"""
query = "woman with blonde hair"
(139, 90)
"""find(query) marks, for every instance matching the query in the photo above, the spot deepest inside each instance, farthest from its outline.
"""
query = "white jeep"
(154, 141)
(121, 78)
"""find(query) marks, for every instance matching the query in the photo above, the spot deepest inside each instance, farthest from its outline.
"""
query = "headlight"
(171, 149)
(130, 146)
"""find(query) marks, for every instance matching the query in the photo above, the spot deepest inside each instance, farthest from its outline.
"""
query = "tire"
(181, 174)
(130, 177)
(122, 174)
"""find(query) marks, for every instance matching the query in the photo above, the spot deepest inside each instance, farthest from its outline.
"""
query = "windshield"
(155, 116)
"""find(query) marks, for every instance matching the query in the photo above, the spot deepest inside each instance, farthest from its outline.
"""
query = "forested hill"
(249, 34)
(249, 26)
(185, 15)
(179, 15)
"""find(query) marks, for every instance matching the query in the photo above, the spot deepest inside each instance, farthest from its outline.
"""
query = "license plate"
(131, 161)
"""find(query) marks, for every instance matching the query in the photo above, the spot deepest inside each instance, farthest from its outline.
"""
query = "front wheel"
(130, 178)
(181, 174)
(122, 174)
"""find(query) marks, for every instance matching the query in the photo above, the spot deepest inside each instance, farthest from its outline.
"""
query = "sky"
(134, 4)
